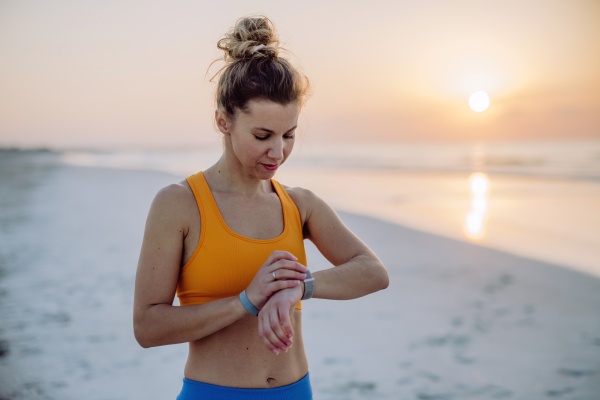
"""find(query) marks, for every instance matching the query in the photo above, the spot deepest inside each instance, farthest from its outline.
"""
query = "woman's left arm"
(357, 270)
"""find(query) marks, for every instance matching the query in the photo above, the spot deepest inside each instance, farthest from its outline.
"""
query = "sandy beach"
(460, 319)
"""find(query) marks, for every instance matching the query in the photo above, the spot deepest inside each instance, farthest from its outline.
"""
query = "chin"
(264, 174)
(269, 174)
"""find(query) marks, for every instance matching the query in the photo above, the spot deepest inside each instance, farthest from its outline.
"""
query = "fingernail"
(275, 351)
(289, 344)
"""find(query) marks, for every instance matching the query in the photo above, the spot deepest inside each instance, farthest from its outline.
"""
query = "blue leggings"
(194, 390)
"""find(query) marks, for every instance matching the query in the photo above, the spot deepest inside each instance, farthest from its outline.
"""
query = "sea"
(537, 198)
(563, 159)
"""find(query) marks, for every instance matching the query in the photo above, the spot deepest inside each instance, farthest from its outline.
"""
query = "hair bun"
(251, 37)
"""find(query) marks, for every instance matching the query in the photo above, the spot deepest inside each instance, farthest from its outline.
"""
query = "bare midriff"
(236, 357)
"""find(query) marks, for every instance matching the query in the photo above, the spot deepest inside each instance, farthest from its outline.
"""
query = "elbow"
(140, 338)
(385, 278)
(385, 283)
(141, 334)
(143, 343)
(378, 279)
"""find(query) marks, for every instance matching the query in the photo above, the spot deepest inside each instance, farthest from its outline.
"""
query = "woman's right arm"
(156, 322)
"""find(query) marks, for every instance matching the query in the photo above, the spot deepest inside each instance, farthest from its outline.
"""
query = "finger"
(287, 264)
(284, 317)
(274, 343)
(275, 286)
(279, 255)
(278, 329)
(262, 336)
(278, 285)
(262, 333)
(289, 274)
(268, 324)
(280, 339)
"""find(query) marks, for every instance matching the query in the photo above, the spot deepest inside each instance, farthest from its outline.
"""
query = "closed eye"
(266, 137)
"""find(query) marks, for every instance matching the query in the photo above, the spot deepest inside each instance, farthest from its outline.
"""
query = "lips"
(271, 167)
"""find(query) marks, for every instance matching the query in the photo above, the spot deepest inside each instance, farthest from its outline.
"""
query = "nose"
(276, 150)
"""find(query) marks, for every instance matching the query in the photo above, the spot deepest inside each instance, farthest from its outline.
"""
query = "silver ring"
(274, 275)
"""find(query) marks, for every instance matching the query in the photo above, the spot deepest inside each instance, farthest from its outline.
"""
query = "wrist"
(237, 307)
(301, 288)
(255, 302)
(298, 290)
(247, 304)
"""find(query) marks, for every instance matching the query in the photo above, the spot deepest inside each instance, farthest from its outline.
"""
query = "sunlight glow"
(479, 101)
(474, 221)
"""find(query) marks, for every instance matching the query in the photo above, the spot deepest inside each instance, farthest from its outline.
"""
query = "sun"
(479, 101)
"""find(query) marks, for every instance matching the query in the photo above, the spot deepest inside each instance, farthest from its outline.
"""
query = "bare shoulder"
(308, 203)
(174, 201)
(177, 191)
(303, 198)
(181, 188)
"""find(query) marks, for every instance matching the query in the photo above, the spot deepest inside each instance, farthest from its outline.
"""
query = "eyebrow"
(270, 131)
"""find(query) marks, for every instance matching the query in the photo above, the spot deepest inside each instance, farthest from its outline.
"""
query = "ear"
(222, 121)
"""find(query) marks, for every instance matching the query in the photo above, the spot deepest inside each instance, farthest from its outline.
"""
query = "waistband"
(194, 390)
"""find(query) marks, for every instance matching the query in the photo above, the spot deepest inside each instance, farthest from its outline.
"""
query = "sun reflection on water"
(474, 221)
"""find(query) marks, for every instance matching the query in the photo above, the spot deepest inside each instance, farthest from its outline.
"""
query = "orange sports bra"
(224, 262)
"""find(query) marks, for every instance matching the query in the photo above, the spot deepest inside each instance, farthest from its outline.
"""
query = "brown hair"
(256, 73)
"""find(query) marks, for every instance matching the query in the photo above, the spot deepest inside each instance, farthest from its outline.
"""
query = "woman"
(229, 241)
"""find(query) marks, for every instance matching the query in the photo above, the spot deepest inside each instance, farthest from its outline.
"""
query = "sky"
(132, 74)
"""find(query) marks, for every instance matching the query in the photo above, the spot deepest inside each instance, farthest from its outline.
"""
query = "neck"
(228, 175)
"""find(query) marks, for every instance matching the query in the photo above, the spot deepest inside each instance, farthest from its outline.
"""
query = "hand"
(288, 274)
(274, 323)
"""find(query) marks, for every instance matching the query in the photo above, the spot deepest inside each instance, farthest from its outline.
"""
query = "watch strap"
(309, 286)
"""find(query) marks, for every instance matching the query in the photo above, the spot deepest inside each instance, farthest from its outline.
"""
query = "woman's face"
(262, 138)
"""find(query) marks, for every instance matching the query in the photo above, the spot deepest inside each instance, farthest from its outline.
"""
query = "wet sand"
(459, 320)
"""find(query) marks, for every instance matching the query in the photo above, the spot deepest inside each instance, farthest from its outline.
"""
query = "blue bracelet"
(248, 304)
